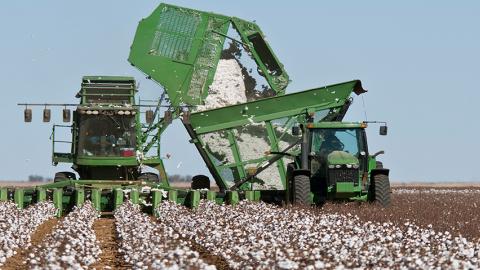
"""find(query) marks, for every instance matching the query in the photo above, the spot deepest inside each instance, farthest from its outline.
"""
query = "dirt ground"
(457, 213)
(110, 258)
(436, 185)
(16, 262)
(4, 183)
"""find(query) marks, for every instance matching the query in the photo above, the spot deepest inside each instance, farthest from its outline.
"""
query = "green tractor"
(292, 148)
(334, 163)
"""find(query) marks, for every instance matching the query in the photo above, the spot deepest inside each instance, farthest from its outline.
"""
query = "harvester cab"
(107, 133)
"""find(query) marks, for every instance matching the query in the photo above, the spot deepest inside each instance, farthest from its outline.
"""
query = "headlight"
(127, 112)
(338, 166)
(120, 112)
(355, 166)
(331, 166)
(349, 166)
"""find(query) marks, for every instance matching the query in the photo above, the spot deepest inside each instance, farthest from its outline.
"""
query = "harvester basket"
(180, 48)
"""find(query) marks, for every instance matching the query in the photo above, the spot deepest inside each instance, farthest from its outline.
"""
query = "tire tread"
(382, 190)
(301, 188)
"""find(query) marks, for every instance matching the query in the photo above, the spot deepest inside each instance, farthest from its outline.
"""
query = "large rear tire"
(301, 189)
(149, 176)
(381, 190)
(61, 176)
(200, 182)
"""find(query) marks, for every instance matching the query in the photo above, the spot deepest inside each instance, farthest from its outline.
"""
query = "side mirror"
(381, 152)
(46, 115)
(66, 115)
(149, 116)
(295, 130)
(27, 115)
(383, 130)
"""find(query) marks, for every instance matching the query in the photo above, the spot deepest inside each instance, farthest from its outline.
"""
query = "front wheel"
(301, 189)
(381, 190)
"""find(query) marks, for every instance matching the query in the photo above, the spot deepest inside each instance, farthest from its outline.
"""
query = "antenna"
(364, 109)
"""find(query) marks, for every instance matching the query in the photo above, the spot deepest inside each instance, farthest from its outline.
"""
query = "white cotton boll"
(284, 235)
(155, 245)
(227, 87)
(81, 248)
(17, 225)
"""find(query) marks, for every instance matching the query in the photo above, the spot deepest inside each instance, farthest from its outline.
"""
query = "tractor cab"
(338, 157)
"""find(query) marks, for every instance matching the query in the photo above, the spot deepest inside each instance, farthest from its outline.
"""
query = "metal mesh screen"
(207, 57)
(175, 32)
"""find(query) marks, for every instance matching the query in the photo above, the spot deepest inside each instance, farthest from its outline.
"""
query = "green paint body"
(3, 194)
(173, 195)
(211, 195)
(96, 196)
(58, 200)
(117, 197)
(19, 197)
(185, 61)
(79, 197)
(134, 196)
(41, 195)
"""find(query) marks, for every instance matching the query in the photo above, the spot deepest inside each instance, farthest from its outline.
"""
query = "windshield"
(325, 141)
(107, 135)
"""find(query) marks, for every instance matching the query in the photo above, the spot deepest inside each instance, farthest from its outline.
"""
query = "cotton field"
(147, 244)
(71, 245)
(262, 236)
(437, 230)
(16, 226)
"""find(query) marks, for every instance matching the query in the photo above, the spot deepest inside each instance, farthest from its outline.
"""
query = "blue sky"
(418, 59)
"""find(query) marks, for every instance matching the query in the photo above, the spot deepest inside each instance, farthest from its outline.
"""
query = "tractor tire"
(200, 182)
(301, 189)
(149, 176)
(381, 190)
(61, 176)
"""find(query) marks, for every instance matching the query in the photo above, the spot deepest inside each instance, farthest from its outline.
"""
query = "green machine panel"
(180, 48)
